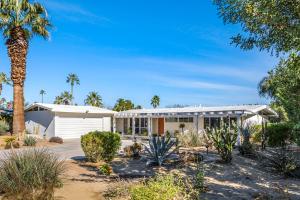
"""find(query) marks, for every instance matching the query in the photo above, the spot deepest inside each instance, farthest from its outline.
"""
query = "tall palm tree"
(20, 20)
(122, 105)
(65, 98)
(94, 99)
(42, 93)
(3, 80)
(73, 79)
(155, 101)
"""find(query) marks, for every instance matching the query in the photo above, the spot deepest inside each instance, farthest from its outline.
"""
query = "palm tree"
(73, 79)
(123, 105)
(155, 101)
(42, 93)
(64, 98)
(20, 20)
(3, 80)
(94, 99)
(182, 126)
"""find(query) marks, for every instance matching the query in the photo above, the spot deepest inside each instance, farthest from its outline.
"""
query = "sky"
(179, 50)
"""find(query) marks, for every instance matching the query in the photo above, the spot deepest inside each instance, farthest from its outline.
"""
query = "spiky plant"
(19, 21)
(224, 139)
(160, 148)
(65, 98)
(94, 99)
(73, 79)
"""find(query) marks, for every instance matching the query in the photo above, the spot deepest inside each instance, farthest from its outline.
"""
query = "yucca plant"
(160, 148)
(224, 139)
(29, 141)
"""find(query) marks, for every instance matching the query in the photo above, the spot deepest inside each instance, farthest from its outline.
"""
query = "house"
(66, 121)
(145, 122)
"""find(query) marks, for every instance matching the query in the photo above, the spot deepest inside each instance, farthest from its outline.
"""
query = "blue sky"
(179, 50)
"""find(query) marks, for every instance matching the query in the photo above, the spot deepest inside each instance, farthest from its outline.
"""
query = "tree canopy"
(155, 101)
(123, 104)
(94, 99)
(65, 98)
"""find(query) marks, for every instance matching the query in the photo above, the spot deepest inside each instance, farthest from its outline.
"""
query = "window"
(215, 122)
(171, 119)
(186, 119)
(206, 122)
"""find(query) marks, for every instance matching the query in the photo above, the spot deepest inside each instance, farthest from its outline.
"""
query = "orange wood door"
(161, 126)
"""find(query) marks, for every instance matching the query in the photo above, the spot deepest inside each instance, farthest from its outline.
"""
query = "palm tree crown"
(42, 93)
(93, 99)
(65, 98)
(122, 105)
(3, 80)
(155, 101)
(73, 79)
(19, 21)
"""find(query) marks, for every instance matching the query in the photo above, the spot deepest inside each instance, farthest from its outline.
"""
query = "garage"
(65, 121)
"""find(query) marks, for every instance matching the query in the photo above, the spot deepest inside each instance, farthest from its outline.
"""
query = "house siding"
(40, 123)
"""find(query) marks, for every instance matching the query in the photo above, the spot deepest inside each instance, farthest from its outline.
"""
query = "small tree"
(182, 126)
(224, 139)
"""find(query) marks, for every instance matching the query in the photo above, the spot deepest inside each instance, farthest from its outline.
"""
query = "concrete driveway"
(70, 149)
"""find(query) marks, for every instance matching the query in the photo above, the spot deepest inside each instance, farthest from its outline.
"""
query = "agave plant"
(160, 148)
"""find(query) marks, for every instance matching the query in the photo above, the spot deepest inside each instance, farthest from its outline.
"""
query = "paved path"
(71, 149)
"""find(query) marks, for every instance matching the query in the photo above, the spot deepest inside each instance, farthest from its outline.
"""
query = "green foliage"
(282, 85)
(100, 145)
(10, 143)
(56, 140)
(105, 169)
(270, 25)
(94, 99)
(30, 175)
(279, 134)
(123, 105)
(133, 150)
(247, 149)
(65, 98)
(224, 139)
(159, 188)
(296, 133)
(29, 141)
(256, 133)
(4, 126)
(199, 179)
(190, 139)
(155, 101)
(160, 149)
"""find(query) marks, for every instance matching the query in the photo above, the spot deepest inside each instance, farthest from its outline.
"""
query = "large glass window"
(215, 122)
(171, 119)
(206, 122)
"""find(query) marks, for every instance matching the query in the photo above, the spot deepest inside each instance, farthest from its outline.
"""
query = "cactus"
(224, 139)
(160, 148)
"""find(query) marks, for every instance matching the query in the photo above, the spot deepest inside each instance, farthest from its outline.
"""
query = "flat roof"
(238, 109)
(69, 108)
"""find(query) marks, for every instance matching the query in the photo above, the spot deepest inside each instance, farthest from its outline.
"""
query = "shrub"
(105, 169)
(29, 141)
(224, 139)
(11, 143)
(256, 133)
(246, 149)
(160, 149)
(56, 140)
(133, 150)
(296, 133)
(199, 179)
(30, 175)
(190, 139)
(279, 134)
(158, 188)
(4, 126)
(100, 145)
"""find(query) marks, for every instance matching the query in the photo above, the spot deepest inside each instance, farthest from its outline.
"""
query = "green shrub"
(158, 188)
(4, 126)
(100, 145)
(256, 133)
(56, 140)
(105, 169)
(29, 141)
(30, 175)
(11, 142)
(296, 133)
(279, 134)
(224, 139)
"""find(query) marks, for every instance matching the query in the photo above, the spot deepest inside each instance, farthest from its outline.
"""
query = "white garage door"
(74, 125)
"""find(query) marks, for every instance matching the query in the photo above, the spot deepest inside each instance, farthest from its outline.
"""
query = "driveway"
(70, 149)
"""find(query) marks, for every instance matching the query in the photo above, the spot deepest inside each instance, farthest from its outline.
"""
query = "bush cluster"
(279, 134)
(99, 146)
(4, 127)
(29, 141)
(30, 175)
(190, 139)
(56, 140)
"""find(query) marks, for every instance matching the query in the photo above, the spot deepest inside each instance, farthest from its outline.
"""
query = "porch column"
(114, 125)
(239, 126)
(149, 126)
(133, 126)
(196, 123)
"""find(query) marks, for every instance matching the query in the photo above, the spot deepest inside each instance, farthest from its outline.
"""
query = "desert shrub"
(29, 141)
(105, 169)
(4, 126)
(159, 188)
(296, 133)
(58, 140)
(133, 150)
(246, 149)
(121, 190)
(279, 134)
(190, 139)
(199, 178)
(256, 133)
(11, 142)
(281, 161)
(30, 175)
(160, 148)
(100, 145)
(224, 139)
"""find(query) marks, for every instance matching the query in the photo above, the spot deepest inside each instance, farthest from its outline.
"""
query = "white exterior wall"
(255, 120)
(74, 125)
(40, 123)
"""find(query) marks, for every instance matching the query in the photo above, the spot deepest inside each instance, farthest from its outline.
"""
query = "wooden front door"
(161, 126)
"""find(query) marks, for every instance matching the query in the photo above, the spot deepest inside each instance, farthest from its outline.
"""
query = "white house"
(66, 121)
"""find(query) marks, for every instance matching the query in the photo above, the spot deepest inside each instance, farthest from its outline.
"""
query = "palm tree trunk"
(17, 46)
(1, 87)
